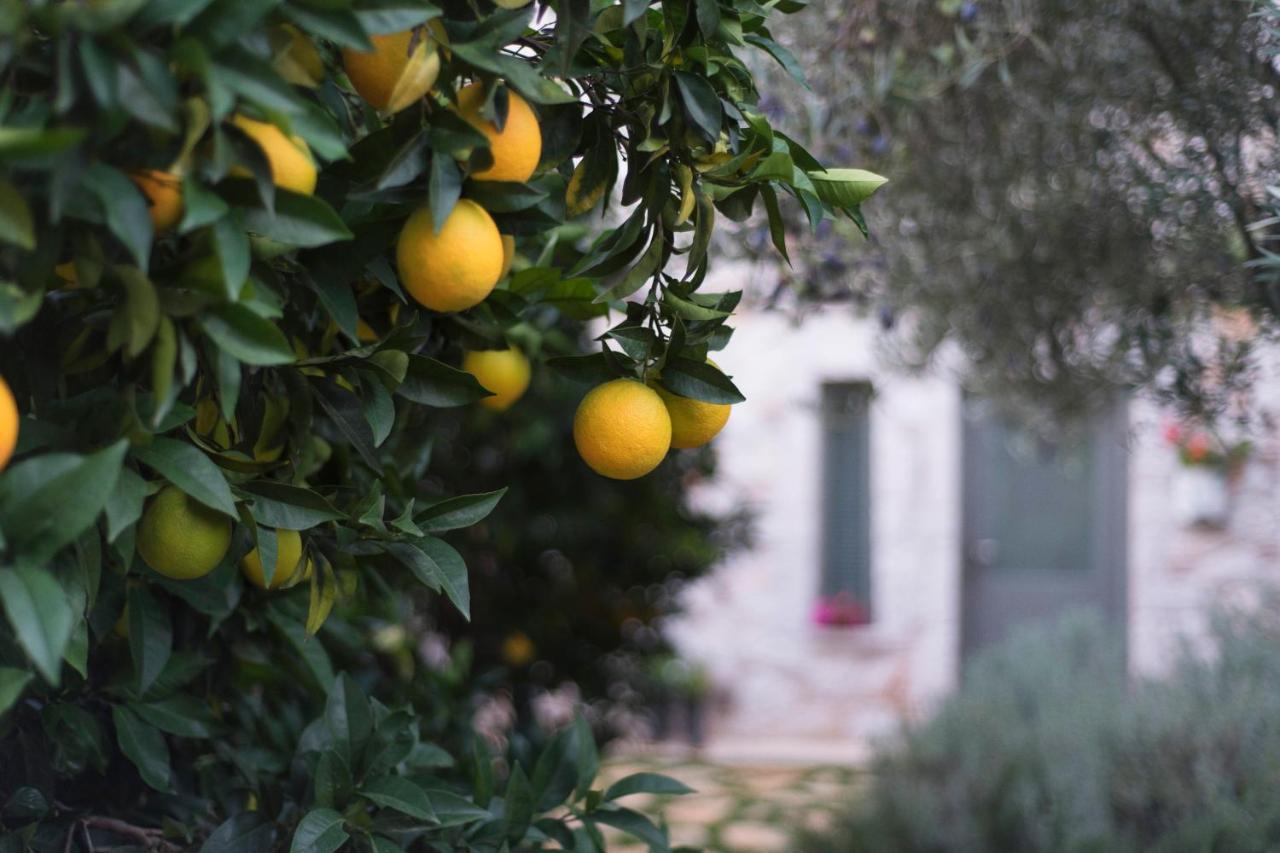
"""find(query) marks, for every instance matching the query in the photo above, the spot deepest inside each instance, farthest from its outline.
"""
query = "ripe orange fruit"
(516, 148)
(289, 157)
(8, 424)
(693, 422)
(164, 197)
(180, 537)
(622, 429)
(393, 75)
(288, 562)
(456, 268)
(505, 372)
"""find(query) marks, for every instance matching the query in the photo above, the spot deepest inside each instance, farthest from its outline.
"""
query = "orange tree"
(242, 245)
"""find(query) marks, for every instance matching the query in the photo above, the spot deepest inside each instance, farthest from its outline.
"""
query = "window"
(845, 589)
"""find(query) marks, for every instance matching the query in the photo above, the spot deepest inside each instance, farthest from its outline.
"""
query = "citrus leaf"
(12, 682)
(190, 470)
(846, 187)
(150, 635)
(247, 832)
(287, 507)
(434, 383)
(142, 744)
(16, 226)
(321, 831)
(699, 381)
(395, 792)
(246, 336)
(40, 615)
(458, 512)
(47, 501)
(645, 783)
(181, 714)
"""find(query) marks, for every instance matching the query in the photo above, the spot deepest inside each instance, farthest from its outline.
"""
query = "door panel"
(1044, 523)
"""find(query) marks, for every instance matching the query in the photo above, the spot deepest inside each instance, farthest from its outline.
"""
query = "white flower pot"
(1201, 496)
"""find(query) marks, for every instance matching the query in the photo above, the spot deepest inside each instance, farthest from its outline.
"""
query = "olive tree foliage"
(1075, 185)
(225, 357)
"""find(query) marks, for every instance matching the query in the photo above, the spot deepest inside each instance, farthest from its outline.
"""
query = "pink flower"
(1172, 432)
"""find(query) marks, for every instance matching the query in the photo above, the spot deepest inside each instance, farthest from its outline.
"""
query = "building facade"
(901, 526)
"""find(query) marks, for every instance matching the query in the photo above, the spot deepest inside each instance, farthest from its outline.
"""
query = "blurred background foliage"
(1048, 746)
(1077, 188)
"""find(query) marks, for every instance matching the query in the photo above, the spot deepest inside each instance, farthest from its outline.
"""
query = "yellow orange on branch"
(288, 156)
(163, 191)
(8, 424)
(516, 148)
(455, 268)
(622, 429)
(399, 70)
(505, 372)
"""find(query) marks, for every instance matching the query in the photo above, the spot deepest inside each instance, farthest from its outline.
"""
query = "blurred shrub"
(1048, 747)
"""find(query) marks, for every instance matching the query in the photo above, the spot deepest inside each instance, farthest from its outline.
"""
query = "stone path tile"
(737, 809)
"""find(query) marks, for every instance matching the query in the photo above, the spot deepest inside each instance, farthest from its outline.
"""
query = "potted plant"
(1209, 465)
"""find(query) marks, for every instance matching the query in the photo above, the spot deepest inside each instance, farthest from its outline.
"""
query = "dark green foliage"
(1047, 747)
(1074, 184)
(224, 356)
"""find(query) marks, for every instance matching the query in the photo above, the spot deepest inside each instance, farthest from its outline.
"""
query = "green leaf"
(393, 16)
(136, 321)
(17, 307)
(633, 823)
(395, 792)
(27, 143)
(16, 226)
(434, 383)
(777, 225)
(288, 507)
(247, 832)
(645, 783)
(180, 714)
(457, 512)
(144, 746)
(843, 188)
(343, 409)
(586, 753)
(150, 635)
(453, 572)
(298, 220)
(348, 717)
(589, 369)
(231, 248)
(519, 803)
(699, 381)
(444, 188)
(246, 336)
(691, 310)
(12, 682)
(783, 57)
(307, 648)
(40, 615)
(190, 470)
(47, 501)
(124, 208)
(701, 103)
(646, 268)
(321, 831)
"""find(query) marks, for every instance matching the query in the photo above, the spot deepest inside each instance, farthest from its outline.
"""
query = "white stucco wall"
(788, 681)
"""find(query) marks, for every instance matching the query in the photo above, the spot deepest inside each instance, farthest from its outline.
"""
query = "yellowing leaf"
(846, 187)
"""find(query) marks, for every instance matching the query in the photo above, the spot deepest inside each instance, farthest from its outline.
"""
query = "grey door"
(1044, 523)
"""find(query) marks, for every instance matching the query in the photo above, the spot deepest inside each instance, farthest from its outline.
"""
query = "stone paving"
(737, 808)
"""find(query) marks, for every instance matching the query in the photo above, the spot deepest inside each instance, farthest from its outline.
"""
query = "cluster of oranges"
(622, 428)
